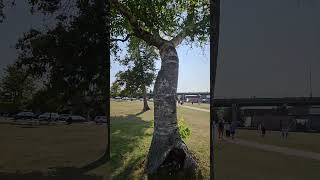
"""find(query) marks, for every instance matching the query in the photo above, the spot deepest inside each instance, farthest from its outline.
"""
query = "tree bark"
(214, 49)
(167, 150)
(145, 102)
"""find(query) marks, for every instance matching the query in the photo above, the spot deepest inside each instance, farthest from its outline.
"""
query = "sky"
(265, 49)
(194, 68)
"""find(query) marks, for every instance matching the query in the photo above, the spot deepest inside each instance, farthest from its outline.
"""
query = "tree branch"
(122, 40)
(137, 29)
(189, 24)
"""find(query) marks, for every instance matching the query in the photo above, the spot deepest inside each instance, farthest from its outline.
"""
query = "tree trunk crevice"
(167, 150)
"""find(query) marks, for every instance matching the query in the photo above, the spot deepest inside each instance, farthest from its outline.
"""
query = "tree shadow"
(140, 113)
(66, 174)
(127, 132)
(126, 135)
(183, 175)
(63, 172)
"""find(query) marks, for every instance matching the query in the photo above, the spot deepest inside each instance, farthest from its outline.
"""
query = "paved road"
(195, 108)
(283, 150)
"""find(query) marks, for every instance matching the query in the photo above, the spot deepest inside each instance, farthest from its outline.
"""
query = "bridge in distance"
(290, 101)
(228, 102)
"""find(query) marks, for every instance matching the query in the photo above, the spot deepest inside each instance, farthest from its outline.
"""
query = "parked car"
(77, 118)
(24, 115)
(49, 116)
(64, 117)
(100, 119)
(204, 100)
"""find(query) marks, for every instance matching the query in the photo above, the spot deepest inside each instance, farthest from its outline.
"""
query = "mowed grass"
(234, 162)
(31, 151)
(296, 140)
(131, 134)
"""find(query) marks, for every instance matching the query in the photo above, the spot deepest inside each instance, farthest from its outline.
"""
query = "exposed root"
(176, 161)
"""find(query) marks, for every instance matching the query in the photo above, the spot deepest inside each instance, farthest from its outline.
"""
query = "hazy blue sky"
(194, 69)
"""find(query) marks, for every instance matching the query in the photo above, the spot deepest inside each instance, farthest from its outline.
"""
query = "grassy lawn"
(234, 162)
(131, 135)
(297, 140)
(30, 151)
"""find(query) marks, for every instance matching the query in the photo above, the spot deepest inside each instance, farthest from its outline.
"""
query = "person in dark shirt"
(263, 130)
(69, 120)
(220, 129)
(233, 128)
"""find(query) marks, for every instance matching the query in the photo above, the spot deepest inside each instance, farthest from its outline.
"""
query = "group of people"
(261, 130)
(228, 127)
(284, 130)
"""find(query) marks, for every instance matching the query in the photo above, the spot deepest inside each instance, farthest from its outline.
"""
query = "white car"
(100, 119)
(125, 98)
(49, 116)
(25, 115)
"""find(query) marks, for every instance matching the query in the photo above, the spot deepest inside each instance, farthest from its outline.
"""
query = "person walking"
(285, 132)
(259, 129)
(233, 128)
(69, 120)
(263, 130)
(220, 129)
(227, 128)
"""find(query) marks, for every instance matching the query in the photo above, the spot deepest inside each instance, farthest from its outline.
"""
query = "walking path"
(195, 108)
(265, 147)
(283, 150)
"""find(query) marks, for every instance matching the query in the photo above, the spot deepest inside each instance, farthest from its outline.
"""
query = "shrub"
(183, 129)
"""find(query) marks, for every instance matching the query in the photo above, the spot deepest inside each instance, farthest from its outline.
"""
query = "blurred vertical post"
(214, 41)
(103, 8)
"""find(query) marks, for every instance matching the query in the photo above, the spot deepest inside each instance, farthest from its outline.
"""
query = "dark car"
(100, 119)
(64, 117)
(76, 118)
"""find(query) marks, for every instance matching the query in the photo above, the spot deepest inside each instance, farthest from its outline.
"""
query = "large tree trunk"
(167, 151)
(145, 101)
(214, 49)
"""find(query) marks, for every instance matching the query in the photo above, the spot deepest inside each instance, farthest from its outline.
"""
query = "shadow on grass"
(128, 134)
(37, 175)
(62, 173)
(130, 141)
